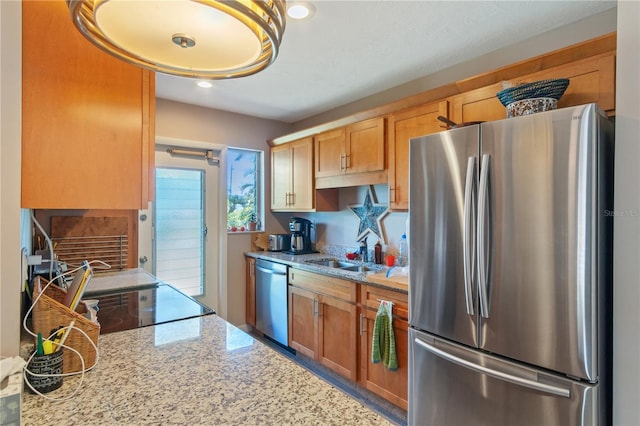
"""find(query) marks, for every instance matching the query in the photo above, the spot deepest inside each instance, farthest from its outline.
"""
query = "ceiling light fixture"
(300, 10)
(213, 39)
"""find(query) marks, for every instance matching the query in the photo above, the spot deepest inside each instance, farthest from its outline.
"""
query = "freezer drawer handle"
(483, 191)
(542, 387)
(468, 246)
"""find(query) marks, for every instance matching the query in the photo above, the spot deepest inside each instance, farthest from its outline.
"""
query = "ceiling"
(352, 49)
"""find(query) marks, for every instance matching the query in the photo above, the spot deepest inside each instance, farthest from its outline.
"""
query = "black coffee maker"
(300, 235)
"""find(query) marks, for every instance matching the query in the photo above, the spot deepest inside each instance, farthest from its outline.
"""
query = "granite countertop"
(397, 280)
(196, 371)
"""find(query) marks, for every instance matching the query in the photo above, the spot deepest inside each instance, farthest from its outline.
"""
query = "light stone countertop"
(393, 282)
(197, 371)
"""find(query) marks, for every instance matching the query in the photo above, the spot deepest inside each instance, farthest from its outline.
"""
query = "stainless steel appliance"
(510, 277)
(279, 242)
(300, 236)
(272, 314)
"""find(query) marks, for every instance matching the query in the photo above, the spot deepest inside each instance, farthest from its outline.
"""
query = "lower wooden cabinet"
(323, 320)
(331, 320)
(391, 385)
(250, 301)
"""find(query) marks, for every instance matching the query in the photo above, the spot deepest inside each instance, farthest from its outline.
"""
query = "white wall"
(626, 314)
(188, 122)
(10, 144)
(341, 228)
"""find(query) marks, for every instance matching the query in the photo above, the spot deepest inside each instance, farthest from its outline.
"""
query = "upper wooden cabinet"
(591, 80)
(403, 126)
(292, 183)
(351, 155)
(87, 119)
(292, 176)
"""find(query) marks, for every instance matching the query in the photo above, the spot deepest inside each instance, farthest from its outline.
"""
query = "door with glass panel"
(185, 226)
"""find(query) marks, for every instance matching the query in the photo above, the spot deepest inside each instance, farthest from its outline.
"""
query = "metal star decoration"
(370, 214)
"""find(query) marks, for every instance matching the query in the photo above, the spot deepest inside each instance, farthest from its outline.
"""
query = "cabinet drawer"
(371, 297)
(329, 286)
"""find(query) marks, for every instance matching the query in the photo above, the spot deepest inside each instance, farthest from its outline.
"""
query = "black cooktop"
(124, 309)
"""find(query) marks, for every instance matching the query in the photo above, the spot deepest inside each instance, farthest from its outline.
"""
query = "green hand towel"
(383, 346)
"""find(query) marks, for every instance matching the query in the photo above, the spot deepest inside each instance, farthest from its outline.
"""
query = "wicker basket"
(49, 313)
(538, 89)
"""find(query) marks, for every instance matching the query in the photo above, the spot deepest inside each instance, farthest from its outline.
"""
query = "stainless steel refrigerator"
(510, 272)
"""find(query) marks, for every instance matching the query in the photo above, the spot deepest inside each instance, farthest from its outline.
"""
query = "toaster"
(279, 242)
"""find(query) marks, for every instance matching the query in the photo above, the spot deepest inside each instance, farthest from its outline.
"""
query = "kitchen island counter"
(196, 371)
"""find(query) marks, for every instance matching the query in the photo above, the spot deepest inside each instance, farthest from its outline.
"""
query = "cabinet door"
(337, 348)
(478, 105)
(590, 80)
(365, 147)
(330, 153)
(281, 171)
(303, 321)
(302, 176)
(389, 384)
(403, 126)
(250, 307)
(87, 119)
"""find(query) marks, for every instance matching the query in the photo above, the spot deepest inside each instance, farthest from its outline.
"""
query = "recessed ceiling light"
(204, 84)
(300, 10)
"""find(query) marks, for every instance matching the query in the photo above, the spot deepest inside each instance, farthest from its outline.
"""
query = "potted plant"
(252, 223)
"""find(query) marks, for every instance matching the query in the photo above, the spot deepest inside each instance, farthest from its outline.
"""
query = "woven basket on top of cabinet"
(50, 313)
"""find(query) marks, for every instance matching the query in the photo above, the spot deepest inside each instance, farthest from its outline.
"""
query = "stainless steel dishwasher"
(271, 300)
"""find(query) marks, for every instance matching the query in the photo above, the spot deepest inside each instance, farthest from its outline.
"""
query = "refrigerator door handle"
(522, 381)
(483, 194)
(469, 242)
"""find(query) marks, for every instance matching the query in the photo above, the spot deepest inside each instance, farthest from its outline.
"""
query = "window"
(245, 204)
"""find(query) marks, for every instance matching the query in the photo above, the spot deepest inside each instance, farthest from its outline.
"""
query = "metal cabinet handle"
(361, 318)
(269, 271)
(522, 381)
(347, 161)
(469, 240)
(483, 191)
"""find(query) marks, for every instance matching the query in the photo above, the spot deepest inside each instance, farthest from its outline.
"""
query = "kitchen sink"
(360, 268)
(345, 266)
(332, 263)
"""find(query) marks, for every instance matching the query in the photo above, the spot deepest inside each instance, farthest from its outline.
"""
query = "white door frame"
(218, 231)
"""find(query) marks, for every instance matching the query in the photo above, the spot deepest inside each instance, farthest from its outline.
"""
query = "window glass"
(179, 229)
(244, 190)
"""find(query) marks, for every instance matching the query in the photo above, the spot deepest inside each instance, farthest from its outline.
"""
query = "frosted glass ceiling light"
(189, 38)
